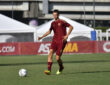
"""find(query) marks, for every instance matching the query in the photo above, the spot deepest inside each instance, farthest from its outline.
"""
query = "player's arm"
(47, 33)
(69, 32)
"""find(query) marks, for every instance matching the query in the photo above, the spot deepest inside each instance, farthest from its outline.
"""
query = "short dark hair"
(56, 11)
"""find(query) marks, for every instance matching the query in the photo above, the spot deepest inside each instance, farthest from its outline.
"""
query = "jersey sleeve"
(66, 24)
(51, 27)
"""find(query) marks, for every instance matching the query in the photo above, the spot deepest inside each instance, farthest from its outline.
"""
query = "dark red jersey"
(59, 29)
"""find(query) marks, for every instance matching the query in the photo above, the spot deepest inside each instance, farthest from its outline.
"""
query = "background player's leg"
(50, 59)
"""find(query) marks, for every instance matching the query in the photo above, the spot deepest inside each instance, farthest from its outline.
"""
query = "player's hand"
(65, 38)
(39, 38)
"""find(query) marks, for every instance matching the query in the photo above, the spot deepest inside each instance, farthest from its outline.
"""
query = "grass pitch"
(80, 69)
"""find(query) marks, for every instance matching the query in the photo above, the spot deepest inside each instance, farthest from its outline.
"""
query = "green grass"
(80, 69)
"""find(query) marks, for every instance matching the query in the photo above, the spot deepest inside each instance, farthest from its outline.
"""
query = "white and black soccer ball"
(22, 72)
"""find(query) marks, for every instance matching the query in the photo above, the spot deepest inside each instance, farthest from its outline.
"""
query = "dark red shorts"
(58, 46)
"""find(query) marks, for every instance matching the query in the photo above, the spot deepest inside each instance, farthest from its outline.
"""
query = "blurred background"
(87, 14)
(82, 11)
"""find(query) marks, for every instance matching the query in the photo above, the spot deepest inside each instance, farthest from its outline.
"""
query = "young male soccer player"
(59, 41)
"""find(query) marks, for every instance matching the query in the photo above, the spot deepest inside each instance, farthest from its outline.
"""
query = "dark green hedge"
(102, 28)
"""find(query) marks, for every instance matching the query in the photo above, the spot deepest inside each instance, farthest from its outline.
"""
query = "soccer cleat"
(47, 72)
(59, 71)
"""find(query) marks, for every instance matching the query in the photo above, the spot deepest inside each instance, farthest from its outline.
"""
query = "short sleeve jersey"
(59, 28)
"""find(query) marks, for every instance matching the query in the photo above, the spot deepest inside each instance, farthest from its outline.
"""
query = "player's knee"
(57, 58)
(51, 52)
(49, 58)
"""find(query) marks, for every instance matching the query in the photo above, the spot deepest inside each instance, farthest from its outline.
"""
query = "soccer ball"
(22, 72)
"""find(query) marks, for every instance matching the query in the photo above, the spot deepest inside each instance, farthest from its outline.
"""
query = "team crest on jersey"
(59, 24)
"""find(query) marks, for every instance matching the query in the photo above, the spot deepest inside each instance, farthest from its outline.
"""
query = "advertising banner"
(31, 48)
(9, 49)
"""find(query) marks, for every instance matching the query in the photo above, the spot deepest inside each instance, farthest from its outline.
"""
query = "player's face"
(55, 15)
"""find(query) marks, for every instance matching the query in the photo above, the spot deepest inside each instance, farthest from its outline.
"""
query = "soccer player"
(58, 42)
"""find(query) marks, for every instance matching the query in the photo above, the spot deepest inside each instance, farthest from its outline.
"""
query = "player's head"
(56, 14)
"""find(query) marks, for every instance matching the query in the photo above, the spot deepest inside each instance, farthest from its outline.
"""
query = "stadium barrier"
(32, 48)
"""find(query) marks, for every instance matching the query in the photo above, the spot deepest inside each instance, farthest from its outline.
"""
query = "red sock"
(49, 66)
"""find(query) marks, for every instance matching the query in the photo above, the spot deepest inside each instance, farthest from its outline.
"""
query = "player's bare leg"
(49, 62)
(60, 63)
